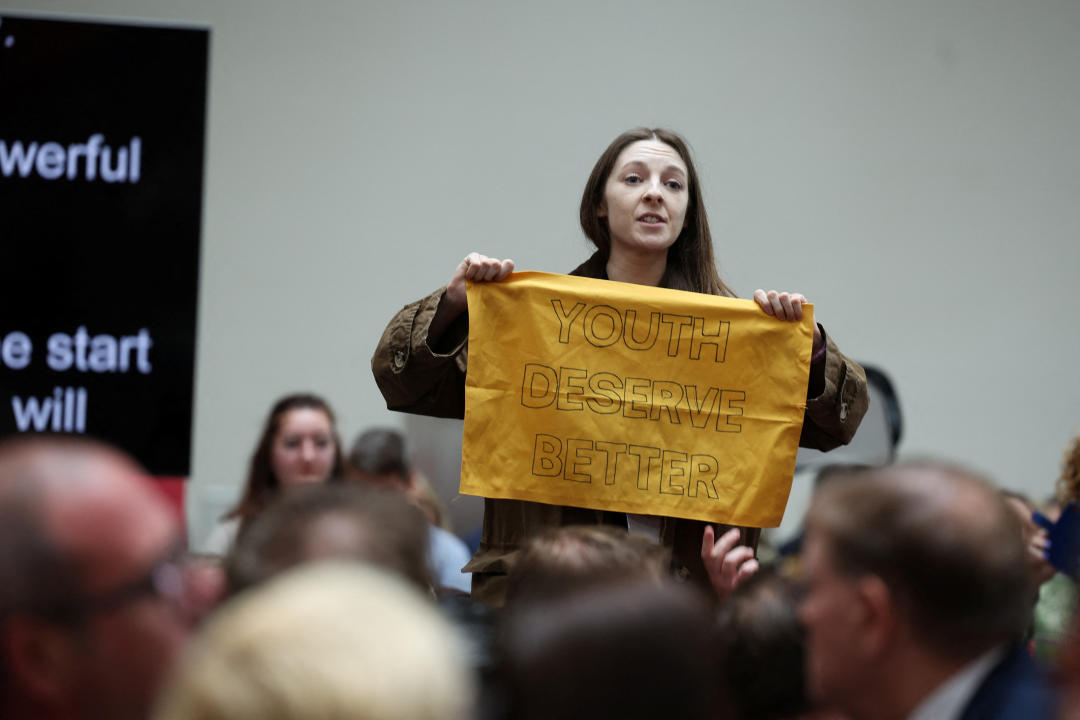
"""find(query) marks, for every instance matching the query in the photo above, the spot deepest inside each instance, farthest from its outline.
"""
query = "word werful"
(87, 161)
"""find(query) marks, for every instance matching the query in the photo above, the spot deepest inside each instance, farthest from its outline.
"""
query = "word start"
(65, 410)
(102, 353)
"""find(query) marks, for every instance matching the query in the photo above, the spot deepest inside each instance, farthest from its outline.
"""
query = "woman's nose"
(307, 451)
(652, 191)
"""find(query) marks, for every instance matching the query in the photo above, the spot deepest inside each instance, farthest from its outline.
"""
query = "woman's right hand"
(478, 268)
(726, 563)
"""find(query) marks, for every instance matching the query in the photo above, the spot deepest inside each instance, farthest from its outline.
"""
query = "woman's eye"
(674, 184)
(633, 179)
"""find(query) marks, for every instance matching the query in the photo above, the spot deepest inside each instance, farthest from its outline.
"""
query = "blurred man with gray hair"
(93, 603)
(917, 596)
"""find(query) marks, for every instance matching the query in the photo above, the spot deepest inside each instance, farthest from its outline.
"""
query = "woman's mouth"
(651, 219)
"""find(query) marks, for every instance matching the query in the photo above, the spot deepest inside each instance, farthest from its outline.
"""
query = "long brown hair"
(1068, 485)
(262, 484)
(690, 261)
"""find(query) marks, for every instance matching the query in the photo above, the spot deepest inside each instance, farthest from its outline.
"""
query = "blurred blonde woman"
(330, 641)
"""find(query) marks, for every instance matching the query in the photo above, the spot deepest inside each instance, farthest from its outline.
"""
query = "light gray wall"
(912, 167)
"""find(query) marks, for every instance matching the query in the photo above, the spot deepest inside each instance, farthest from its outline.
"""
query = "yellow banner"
(636, 399)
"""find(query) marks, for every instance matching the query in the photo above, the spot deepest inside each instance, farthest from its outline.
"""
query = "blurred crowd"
(333, 589)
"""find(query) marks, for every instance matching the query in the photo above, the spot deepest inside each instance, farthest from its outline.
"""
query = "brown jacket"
(417, 378)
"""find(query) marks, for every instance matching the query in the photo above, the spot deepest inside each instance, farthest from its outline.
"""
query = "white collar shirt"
(949, 699)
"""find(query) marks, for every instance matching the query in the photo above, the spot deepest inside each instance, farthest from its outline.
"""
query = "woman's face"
(303, 451)
(645, 198)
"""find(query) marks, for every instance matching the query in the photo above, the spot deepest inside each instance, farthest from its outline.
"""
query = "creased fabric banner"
(623, 397)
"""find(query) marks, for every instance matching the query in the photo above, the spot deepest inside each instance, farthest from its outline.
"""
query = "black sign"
(101, 161)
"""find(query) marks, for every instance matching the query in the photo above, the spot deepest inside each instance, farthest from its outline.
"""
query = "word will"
(66, 409)
(51, 160)
(668, 472)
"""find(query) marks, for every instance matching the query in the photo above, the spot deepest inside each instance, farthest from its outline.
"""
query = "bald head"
(942, 540)
(50, 460)
(83, 534)
(74, 491)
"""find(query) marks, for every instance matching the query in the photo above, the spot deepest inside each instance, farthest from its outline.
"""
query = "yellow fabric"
(611, 396)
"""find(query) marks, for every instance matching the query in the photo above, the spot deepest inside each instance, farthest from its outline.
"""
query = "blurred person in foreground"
(634, 648)
(94, 605)
(327, 641)
(1053, 594)
(356, 523)
(763, 650)
(575, 557)
(378, 458)
(918, 592)
(1069, 673)
(1058, 597)
(324, 522)
(562, 559)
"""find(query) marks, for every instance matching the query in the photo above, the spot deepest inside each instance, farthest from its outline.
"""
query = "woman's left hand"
(785, 306)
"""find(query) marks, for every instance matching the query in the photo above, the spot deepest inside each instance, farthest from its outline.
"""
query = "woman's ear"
(602, 210)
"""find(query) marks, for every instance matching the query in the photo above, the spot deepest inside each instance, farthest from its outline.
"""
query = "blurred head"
(422, 495)
(378, 457)
(324, 641)
(834, 471)
(299, 445)
(93, 598)
(763, 648)
(347, 522)
(627, 649)
(1069, 672)
(569, 558)
(690, 261)
(916, 559)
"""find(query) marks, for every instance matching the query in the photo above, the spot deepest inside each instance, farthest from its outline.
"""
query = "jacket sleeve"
(411, 375)
(833, 416)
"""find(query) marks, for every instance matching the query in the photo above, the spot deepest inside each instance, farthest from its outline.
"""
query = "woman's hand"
(478, 268)
(1038, 545)
(785, 306)
(728, 566)
(455, 301)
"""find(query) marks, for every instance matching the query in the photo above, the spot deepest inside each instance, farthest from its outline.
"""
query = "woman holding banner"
(642, 207)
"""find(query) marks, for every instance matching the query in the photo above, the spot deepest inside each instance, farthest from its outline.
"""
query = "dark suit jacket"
(1016, 689)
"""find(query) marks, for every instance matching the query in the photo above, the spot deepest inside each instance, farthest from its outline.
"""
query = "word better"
(669, 472)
